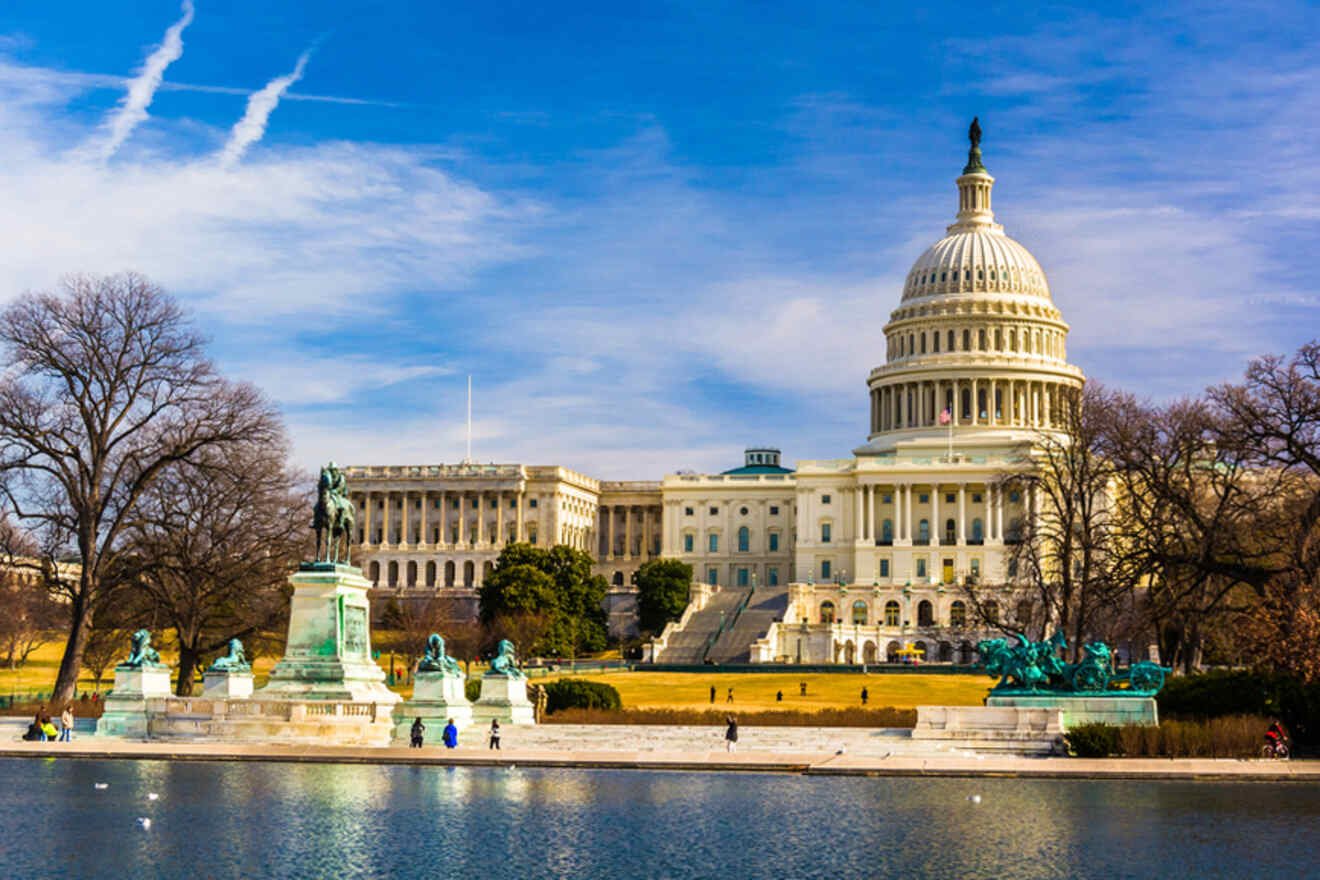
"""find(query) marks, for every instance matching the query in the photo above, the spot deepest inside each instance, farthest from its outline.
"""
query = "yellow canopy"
(910, 650)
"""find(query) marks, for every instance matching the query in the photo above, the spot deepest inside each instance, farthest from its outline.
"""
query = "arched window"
(923, 532)
(412, 573)
(887, 532)
(744, 539)
(487, 569)
(374, 571)
(950, 346)
(618, 579)
(430, 573)
(393, 574)
(977, 536)
(891, 613)
(925, 613)
(992, 611)
(958, 614)
(1024, 612)
(469, 573)
(980, 339)
(966, 403)
(935, 341)
(950, 531)
(826, 612)
(1012, 340)
(449, 573)
(912, 343)
(923, 343)
(891, 651)
(859, 613)
(967, 339)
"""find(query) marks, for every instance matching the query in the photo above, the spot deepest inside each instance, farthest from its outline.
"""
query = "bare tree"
(105, 386)
(409, 623)
(212, 543)
(30, 618)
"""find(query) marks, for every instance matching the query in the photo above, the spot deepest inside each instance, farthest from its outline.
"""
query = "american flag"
(945, 416)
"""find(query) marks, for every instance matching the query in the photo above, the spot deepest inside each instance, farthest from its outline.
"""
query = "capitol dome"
(975, 337)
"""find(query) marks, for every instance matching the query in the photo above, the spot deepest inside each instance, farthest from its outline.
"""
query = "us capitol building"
(841, 560)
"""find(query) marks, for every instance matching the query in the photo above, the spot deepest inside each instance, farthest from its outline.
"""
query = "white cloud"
(250, 129)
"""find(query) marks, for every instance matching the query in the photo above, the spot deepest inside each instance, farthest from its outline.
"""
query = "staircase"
(691, 643)
(765, 606)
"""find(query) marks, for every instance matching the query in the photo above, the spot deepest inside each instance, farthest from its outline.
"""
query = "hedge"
(1231, 736)
(1221, 693)
(576, 693)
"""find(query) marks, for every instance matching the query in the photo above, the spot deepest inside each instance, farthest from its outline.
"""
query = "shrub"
(851, 717)
(472, 689)
(1095, 740)
(1232, 736)
(575, 693)
(1223, 693)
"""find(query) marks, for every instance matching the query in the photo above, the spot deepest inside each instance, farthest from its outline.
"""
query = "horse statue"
(504, 663)
(436, 660)
(142, 654)
(234, 661)
(334, 517)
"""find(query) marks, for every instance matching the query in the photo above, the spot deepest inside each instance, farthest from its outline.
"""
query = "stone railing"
(265, 709)
(433, 470)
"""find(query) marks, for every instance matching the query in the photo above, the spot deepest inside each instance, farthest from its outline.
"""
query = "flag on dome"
(945, 416)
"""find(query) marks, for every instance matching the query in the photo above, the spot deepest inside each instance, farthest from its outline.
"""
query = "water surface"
(324, 820)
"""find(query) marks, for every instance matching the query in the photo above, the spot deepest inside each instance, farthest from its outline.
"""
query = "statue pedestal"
(436, 699)
(227, 685)
(504, 699)
(125, 711)
(1016, 730)
(1112, 707)
(328, 653)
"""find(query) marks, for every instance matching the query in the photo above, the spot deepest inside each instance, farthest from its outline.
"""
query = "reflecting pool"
(325, 820)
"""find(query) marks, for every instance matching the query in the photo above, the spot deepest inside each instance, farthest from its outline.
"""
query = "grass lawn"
(691, 690)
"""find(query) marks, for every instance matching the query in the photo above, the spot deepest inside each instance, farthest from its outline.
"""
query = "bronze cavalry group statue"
(1036, 667)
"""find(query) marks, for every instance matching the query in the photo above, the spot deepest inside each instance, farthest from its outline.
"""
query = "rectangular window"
(884, 568)
(453, 536)
(712, 576)
(774, 541)
(513, 503)
(886, 498)
(531, 503)
(688, 542)
(921, 568)
(531, 537)
(824, 499)
(976, 497)
(774, 510)
(824, 533)
(742, 577)
(825, 570)
(923, 498)
(950, 498)
(714, 511)
(688, 511)
(453, 504)
(976, 568)
(714, 543)
(773, 575)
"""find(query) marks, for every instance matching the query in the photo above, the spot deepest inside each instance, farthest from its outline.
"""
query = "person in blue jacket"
(450, 736)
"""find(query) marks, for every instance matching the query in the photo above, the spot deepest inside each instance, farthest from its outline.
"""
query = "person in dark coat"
(712, 695)
(417, 728)
(865, 695)
(450, 735)
(731, 734)
(494, 734)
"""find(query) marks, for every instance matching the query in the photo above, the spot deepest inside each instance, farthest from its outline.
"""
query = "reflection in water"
(266, 820)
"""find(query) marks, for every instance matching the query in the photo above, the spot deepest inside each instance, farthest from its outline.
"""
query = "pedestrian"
(712, 695)
(864, 696)
(48, 731)
(779, 697)
(729, 698)
(66, 724)
(803, 688)
(731, 734)
(494, 734)
(450, 736)
(417, 728)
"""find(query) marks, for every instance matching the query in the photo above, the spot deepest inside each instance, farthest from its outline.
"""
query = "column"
(462, 519)
(990, 405)
(481, 518)
(962, 510)
(385, 536)
(518, 500)
(955, 409)
(442, 521)
(425, 518)
(499, 519)
(936, 526)
(999, 514)
(907, 512)
(405, 536)
(627, 531)
(857, 513)
(976, 406)
(367, 522)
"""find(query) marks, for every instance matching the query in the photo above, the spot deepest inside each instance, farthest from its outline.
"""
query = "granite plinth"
(436, 699)
(125, 712)
(503, 699)
(1013, 729)
(227, 685)
(1106, 708)
(328, 652)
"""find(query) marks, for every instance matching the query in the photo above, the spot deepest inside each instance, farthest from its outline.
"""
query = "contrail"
(248, 130)
(142, 88)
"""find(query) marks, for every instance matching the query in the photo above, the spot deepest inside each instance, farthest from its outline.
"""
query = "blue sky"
(654, 237)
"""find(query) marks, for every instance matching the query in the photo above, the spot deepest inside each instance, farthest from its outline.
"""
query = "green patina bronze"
(505, 663)
(1029, 668)
(234, 661)
(334, 517)
(436, 660)
(142, 654)
(974, 165)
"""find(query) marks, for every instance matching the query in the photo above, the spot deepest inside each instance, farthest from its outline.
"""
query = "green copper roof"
(760, 469)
